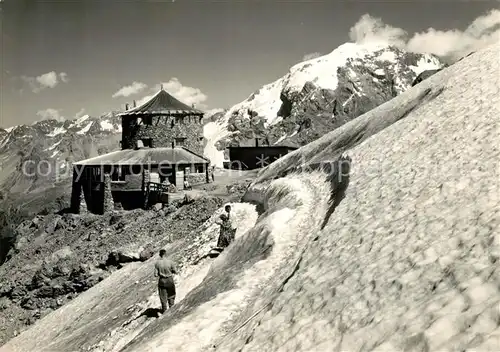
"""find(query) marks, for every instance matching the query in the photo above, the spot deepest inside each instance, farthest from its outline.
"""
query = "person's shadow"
(150, 313)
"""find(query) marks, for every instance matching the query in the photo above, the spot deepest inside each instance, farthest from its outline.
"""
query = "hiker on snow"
(226, 229)
(165, 270)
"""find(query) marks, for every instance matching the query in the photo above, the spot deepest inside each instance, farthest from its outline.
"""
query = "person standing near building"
(165, 270)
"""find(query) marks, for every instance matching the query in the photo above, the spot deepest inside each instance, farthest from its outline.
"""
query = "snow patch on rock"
(57, 131)
(85, 129)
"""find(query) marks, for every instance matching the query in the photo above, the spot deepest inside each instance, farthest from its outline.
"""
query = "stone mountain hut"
(162, 145)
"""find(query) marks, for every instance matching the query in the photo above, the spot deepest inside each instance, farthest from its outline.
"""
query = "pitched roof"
(146, 156)
(162, 103)
(285, 145)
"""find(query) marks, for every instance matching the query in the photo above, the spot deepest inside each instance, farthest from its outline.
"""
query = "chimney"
(193, 105)
(126, 106)
(135, 104)
(256, 142)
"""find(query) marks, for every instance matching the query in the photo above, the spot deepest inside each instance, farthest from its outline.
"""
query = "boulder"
(124, 255)
(424, 75)
(146, 254)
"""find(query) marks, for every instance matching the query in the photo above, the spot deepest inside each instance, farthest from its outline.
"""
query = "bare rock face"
(424, 75)
(3, 135)
(123, 255)
(146, 254)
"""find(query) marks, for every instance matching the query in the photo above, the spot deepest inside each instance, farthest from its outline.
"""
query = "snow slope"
(408, 260)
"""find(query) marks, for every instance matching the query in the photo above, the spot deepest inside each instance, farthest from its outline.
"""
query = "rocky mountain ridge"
(38, 156)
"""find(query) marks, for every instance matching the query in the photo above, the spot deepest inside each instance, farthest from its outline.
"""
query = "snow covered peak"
(80, 120)
(323, 73)
(50, 132)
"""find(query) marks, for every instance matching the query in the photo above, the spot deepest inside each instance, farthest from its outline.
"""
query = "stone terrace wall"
(163, 131)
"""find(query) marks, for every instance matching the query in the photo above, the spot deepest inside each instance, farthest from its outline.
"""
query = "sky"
(62, 59)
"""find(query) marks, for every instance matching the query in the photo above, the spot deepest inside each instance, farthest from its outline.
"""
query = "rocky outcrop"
(424, 75)
(128, 254)
(3, 136)
(59, 257)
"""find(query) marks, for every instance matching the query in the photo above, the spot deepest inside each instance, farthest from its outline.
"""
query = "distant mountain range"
(39, 156)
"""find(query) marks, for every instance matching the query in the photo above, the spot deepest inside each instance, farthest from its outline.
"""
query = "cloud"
(370, 29)
(311, 56)
(187, 95)
(64, 77)
(46, 80)
(452, 43)
(79, 113)
(126, 91)
(483, 31)
(50, 114)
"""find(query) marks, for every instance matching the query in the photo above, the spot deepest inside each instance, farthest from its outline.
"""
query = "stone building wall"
(82, 203)
(131, 183)
(196, 178)
(108, 196)
(163, 131)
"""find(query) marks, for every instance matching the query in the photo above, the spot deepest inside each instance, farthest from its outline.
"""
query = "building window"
(180, 142)
(118, 173)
